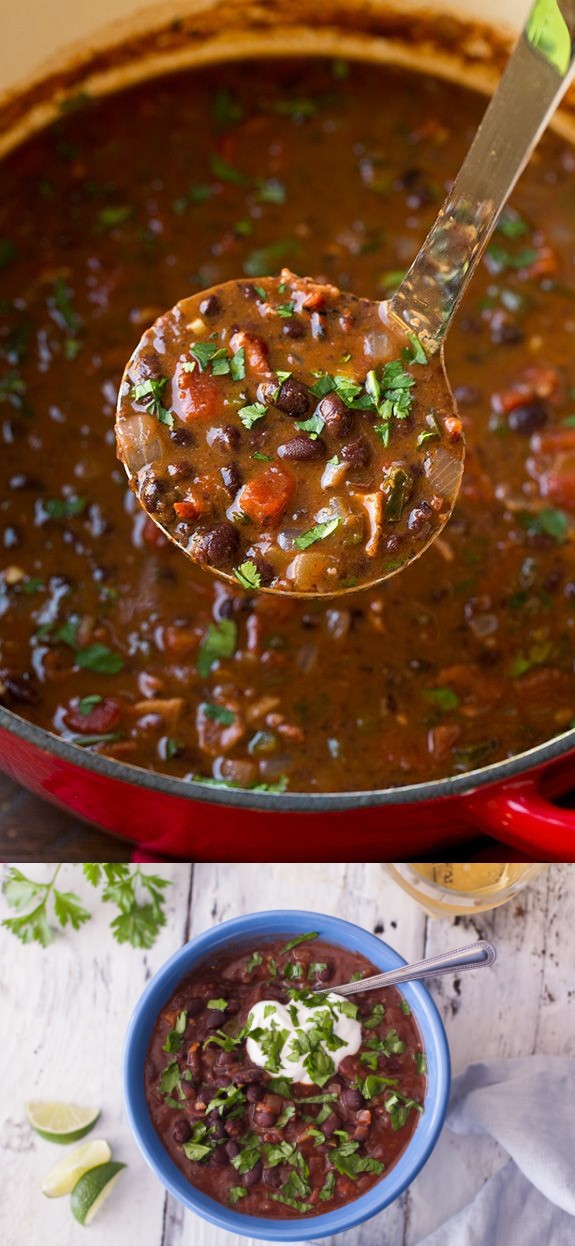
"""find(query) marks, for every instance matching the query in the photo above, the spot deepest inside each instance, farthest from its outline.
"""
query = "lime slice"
(93, 1189)
(60, 1122)
(63, 1176)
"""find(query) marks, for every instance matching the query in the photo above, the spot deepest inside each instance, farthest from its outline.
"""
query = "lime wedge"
(60, 1122)
(93, 1189)
(63, 1176)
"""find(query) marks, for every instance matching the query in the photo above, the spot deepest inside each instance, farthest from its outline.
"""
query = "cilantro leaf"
(219, 642)
(317, 533)
(253, 412)
(67, 908)
(175, 1037)
(248, 575)
(303, 938)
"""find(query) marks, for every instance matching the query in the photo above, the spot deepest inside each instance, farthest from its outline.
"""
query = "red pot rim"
(191, 790)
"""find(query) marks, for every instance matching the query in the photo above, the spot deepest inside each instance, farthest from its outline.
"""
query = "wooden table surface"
(65, 1010)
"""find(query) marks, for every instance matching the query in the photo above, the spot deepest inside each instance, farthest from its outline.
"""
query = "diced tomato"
(101, 718)
(153, 535)
(199, 394)
(265, 497)
(546, 264)
(255, 351)
(199, 499)
(554, 441)
(314, 301)
(559, 487)
(534, 382)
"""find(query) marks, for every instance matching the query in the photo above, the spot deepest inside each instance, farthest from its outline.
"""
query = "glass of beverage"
(462, 887)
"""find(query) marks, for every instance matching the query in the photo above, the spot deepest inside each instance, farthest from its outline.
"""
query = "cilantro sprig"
(40, 907)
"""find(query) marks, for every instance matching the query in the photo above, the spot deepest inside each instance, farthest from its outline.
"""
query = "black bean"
(218, 545)
(227, 438)
(248, 291)
(267, 573)
(219, 1157)
(293, 398)
(234, 1128)
(232, 478)
(357, 452)
(218, 1129)
(195, 1063)
(324, 974)
(528, 418)
(254, 1175)
(247, 1076)
(182, 437)
(254, 1093)
(21, 480)
(210, 306)
(418, 518)
(352, 1098)
(337, 416)
(233, 1007)
(294, 329)
(148, 365)
(232, 1149)
(393, 543)
(272, 1177)
(262, 1117)
(180, 470)
(215, 1018)
(181, 1131)
(467, 395)
(302, 449)
(21, 690)
(152, 495)
(363, 1126)
(332, 1123)
(195, 1005)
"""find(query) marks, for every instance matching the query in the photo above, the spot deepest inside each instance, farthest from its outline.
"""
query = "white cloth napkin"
(527, 1107)
(503, 1172)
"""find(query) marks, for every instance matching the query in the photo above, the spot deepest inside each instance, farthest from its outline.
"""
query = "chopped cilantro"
(420, 1061)
(253, 961)
(218, 713)
(374, 1085)
(406, 1010)
(225, 109)
(114, 214)
(270, 190)
(235, 1193)
(313, 426)
(417, 353)
(511, 225)
(549, 521)
(443, 699)
(303, 938)
(317, 533)
(269, 259)
(375, 1017)
(238, 365)
(253, 412)
(219, 642)
(248, 575)
(502, 258)
(328, 1188)
(175, 1037)
(285, 310)
(219, 1005)
(226, 172)
(349, 1163)
(64, 508)
(150, 393)
(399, 1106)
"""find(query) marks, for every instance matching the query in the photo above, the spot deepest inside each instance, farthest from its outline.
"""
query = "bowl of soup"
(134, 688)
(271, 1109)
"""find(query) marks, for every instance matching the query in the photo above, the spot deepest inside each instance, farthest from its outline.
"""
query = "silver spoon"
(475, 956)
(539, 70)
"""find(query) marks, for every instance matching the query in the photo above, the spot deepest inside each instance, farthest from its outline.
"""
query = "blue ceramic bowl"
(254, 930)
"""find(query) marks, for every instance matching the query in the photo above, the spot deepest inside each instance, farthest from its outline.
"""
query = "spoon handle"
(537, 75)
(475, 956)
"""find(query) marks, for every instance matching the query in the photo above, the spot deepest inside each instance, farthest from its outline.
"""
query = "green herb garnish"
(317, 533)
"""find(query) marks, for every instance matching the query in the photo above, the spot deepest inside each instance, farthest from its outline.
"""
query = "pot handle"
(520, 815)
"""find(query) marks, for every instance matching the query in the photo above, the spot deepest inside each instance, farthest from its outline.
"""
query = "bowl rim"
(265, 926)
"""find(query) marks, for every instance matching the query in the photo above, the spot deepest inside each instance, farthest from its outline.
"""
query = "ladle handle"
(537, 75)
(475, 956)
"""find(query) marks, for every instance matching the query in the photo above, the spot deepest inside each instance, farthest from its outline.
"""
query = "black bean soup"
(248, 1134)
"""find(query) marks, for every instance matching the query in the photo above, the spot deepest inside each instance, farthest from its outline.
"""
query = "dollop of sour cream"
(303, 1041)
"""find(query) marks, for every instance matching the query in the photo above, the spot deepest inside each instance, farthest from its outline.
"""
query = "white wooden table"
(64, 1011)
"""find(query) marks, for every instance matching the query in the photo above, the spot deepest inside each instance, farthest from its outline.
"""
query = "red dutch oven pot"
(512, 800)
